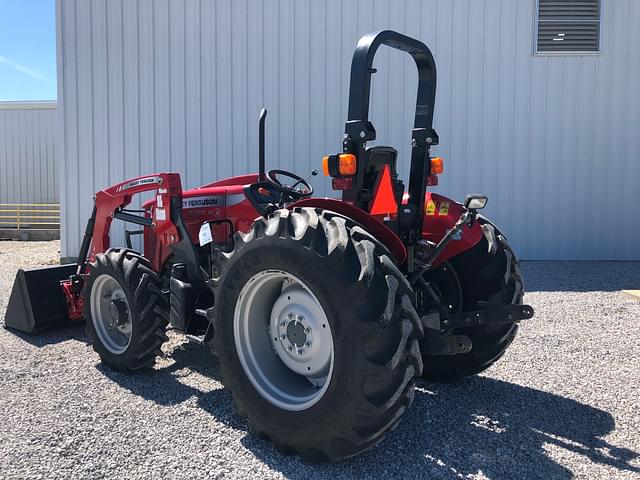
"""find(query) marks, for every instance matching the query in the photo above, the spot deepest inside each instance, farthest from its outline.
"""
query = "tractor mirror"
(475, 202)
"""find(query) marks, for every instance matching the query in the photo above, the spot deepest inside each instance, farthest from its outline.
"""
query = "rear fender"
(441, 213)
(375, 227)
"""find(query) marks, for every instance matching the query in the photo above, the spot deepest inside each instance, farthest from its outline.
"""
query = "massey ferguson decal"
(138, 182)
(204, 206)
(202, 202)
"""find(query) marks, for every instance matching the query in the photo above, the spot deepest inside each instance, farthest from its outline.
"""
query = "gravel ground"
(562, 403)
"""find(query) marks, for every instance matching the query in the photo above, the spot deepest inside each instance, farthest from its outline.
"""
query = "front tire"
(317, 263)
(125, 310)
(485, 274)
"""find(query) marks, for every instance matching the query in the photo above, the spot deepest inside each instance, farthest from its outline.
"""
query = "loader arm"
(111, 203)
(30, 310)
(165, 219)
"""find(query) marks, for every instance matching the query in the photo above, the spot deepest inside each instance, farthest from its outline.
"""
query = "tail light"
(342, 183)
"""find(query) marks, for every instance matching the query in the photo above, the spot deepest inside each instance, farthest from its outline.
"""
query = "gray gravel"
(563, 403)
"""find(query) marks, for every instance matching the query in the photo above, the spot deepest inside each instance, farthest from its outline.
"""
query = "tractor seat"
(376, 158)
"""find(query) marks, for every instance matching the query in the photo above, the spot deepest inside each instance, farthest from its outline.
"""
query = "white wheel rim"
(110, 314)
(284, 340)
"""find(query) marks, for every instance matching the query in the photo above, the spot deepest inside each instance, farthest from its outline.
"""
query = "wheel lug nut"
(282, 337)
(307, 330)
(308, 344)
(290, 348)
(290, 316)
(300, 351)
(283, 324)
(300, 318)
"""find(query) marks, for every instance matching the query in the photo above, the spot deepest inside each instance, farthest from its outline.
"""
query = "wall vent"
(568, 26)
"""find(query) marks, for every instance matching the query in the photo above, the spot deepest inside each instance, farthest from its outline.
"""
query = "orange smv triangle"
(384, 200)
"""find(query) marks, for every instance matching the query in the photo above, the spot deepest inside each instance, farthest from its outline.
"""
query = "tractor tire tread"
(489, 343)
(392, 360)
(148, 306)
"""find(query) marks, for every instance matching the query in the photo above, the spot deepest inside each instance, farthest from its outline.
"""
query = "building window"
(568, 26)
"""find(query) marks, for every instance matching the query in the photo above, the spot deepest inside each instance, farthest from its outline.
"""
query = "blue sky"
(27, 50)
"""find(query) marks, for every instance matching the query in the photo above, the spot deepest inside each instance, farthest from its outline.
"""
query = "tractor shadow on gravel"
(53, 336)
(490, 426)
(170, 385)
(480, 425)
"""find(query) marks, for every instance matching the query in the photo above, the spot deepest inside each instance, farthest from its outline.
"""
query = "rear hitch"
(442, 344)
(490, 314)
(438, 325)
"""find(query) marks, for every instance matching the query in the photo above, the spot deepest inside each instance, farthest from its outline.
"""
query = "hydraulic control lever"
(313, 173)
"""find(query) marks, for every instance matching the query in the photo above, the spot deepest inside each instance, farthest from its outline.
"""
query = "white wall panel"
(27, 149)
(150, 85)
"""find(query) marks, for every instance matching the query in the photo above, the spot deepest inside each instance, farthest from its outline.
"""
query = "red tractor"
(322, 312)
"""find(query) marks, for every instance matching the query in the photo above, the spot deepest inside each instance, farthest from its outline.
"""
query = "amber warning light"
(437, 166)
(343, 165)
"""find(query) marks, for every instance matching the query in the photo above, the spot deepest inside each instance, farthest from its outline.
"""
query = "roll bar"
(359, 130)
(361, 70)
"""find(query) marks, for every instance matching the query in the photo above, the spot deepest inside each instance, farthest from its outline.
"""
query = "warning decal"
(384, 200)
(444, 208)
(431, 207)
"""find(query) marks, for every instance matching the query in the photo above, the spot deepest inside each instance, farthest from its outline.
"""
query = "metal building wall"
(27, 149)
(150, 85)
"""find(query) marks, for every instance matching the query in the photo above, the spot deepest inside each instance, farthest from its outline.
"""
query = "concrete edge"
(29, 235)
(632, 294)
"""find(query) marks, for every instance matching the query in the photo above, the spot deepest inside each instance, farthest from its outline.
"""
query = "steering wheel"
(300, 188)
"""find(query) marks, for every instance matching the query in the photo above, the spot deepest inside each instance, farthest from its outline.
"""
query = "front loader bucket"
(37, 300)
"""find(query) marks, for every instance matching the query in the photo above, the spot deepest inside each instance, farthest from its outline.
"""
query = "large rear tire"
(125, 310)
(484, 275)
(313, 263)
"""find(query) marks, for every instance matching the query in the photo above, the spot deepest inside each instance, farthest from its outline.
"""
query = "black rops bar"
(358, 128)
(361, 70)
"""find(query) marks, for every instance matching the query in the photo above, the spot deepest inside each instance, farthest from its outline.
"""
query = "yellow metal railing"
(32, 216)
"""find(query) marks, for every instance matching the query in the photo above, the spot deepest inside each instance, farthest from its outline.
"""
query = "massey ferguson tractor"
(322, 312)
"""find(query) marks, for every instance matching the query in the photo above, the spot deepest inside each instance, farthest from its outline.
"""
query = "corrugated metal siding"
(177, 85)
(27, 149)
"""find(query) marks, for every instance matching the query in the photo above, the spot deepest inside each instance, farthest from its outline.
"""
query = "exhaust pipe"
(38, 301)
